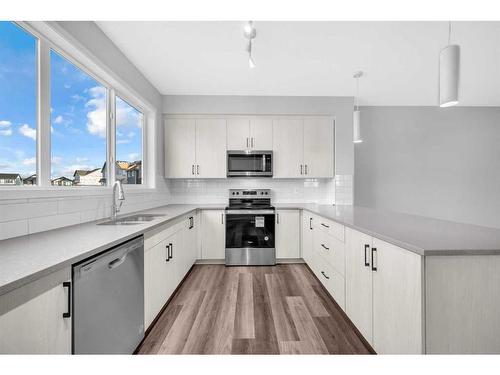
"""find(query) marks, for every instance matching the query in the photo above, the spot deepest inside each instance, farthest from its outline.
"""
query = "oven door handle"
(250, 212)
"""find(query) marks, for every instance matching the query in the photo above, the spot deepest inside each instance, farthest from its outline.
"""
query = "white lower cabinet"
(213, 234)
(287, 234)
(32, 320)
(169, 253)
(359, 306)
(384, 294)
(397, 300)
(307, 236)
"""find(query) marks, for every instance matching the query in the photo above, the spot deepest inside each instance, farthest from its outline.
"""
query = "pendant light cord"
(357, 94)
(449, 32)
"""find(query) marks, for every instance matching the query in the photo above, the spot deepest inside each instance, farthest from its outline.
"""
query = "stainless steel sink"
(132, 219)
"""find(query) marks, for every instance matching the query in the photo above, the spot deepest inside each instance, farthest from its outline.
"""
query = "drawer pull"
(326, 277)
(374, 267)
(326, 226)
(168, 253)
(367, 264)
(324, 247)
(67, 314)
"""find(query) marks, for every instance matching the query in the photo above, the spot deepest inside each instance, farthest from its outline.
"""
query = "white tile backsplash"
(284, 190)
(19, 217)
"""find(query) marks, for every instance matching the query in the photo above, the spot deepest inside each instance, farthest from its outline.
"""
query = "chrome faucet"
(121, 197)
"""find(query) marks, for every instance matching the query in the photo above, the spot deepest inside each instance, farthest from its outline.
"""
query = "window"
(18, 82)
(79, 94)
(78, 125)
(129, 125)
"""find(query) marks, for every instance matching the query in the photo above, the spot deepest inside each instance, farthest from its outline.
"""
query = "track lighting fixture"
(449, 73)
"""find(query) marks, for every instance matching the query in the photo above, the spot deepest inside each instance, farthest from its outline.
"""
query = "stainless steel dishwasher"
(108, 300)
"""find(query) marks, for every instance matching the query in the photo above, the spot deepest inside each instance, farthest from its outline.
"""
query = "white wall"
(24, 213)
(325, 191)
(437, 162)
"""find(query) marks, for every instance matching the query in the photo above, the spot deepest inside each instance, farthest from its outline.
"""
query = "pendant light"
(249, 33)
(449, 73)
(356, 118)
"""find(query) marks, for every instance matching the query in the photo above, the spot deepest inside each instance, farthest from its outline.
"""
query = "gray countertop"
(27, 258)
(422, 235)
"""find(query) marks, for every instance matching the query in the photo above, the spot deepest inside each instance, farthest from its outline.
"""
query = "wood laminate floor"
(252, 310)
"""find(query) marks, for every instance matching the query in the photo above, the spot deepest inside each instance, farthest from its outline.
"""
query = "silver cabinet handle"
(301, 169)
(197, 169)
(192, 169)
(247, 142)
(222, 218)
(310, 223)
(277, 218)
(305, 169)
(252, 142)
(323, 273)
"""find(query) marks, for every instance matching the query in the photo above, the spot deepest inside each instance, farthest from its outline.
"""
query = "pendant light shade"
(356, 115)
(449, 75)
(356, 136)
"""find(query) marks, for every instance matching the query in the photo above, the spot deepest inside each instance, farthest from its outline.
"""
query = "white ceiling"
(400, 59)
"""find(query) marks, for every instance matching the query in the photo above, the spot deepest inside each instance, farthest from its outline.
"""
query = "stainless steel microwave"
(249, 163)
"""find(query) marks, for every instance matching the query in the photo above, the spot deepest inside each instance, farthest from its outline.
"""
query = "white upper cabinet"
(180, 148)
(211, 148)
(250, 134)
(238, 134)
(261, 134)
(304, 148)
(195, 148)
(319, 147)
(288, 147)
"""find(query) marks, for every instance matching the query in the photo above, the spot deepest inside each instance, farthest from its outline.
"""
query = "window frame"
(50, 36)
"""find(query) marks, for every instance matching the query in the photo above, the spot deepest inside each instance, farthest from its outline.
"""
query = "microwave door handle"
(263, 163)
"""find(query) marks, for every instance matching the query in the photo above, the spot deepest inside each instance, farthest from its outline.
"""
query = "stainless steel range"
(250, 224)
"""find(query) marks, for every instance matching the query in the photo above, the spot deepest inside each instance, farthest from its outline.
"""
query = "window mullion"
(43, 115)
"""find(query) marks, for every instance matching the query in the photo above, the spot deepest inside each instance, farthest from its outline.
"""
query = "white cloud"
(66, 86)
(127, 115)
(27, 131)
(58, 120)
(56, 159)
(6, 132)
(133, 156)
(122, 141)
(5, 124)
(81, 160)
(29, 161)
(96, 117)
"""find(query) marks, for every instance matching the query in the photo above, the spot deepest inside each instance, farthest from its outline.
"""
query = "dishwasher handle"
(115, 263)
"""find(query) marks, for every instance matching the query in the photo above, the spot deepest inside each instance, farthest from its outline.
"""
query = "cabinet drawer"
(155, 236)
(333, 281)
(330, 227)
(331, 249)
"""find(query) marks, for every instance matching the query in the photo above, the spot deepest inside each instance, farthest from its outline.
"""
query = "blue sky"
(78, 112)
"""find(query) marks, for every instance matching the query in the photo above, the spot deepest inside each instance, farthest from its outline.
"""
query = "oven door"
(249, 164)
(250, 237)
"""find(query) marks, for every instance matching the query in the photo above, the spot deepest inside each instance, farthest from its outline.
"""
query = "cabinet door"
(180, 148)
(288, 147)
(156, 280)
(397, 300)
(211, 148)
(287, 234)
(238, 134)
(31, 317)
(213, 233)
(261, 134)
(307, 237)
(359, 281)
(319, 147)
